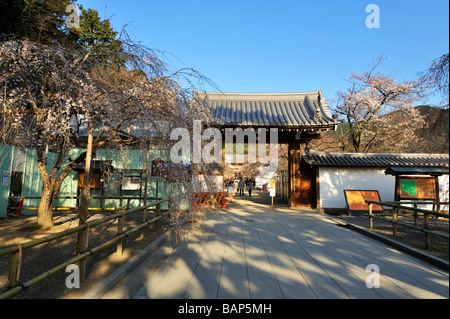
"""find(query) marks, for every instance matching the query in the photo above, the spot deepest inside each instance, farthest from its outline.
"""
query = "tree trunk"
(86, 191)
(52, 183)
(82, 242)
(45, 213)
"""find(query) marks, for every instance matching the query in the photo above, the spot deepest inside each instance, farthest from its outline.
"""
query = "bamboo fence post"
(158, 211)
(370, 216)
(426, 222)
(394, 222)
(416, 221)
(119, 231)
(143, 220)
(14, 268)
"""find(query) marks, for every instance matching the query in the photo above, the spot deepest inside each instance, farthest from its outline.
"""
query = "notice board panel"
(131, 183)
(355, 200)
(419, 188)
(95, 180)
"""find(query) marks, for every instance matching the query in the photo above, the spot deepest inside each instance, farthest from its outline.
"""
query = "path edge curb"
(436, 261)
(112, 279)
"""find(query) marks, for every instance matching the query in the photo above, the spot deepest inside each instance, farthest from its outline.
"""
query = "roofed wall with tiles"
(366, 171)
(333, 181)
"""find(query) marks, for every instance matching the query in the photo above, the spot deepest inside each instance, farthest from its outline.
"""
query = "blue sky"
(285, 46)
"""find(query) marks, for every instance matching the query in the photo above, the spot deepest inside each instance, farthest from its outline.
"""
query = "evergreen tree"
(99, 39)
(39, 21)
(45, 22)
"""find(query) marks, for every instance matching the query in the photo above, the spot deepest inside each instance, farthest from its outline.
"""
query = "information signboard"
(272, 191)
(272, 184)
(417, 188)
(356, 201)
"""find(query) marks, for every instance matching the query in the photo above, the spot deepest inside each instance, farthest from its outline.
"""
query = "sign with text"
(272, 184)
(417, 188)
(5, 178)
(131, 183)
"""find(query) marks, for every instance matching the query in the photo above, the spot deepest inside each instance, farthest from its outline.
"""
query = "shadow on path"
(252, 251)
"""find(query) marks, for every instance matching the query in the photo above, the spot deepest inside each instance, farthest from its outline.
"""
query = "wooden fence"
(16, 251)
(417, 213)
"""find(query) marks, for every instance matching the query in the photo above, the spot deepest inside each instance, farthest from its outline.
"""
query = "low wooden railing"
(16, 251)
(102, 199)
(416, 214)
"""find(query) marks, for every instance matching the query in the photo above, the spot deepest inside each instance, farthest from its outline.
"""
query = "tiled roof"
(416, 170)
(316, 158)
(284, 110)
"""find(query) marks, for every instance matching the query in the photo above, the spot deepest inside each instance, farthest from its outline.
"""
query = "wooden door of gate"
(302, 181)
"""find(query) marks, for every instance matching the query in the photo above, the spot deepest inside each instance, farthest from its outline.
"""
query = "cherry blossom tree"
(43, 88)
(52, 96)
(380, 112)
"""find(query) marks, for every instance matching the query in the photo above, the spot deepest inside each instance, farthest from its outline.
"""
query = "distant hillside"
(436, 135)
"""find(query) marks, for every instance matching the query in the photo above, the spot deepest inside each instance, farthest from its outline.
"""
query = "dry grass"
(43, 257)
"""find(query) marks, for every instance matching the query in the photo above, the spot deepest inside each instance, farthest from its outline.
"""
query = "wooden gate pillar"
(294, 173)
(301, 179)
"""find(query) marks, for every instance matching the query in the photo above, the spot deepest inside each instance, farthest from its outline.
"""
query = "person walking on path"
(230, 189)
(241, 186)
(249, 187)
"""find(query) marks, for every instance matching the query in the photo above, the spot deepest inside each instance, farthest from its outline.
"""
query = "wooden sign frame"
(424, 188)
(355, 201)
(95, 180)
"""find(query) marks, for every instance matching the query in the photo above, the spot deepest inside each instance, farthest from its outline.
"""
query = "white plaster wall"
(444, 190)
(334, 180)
